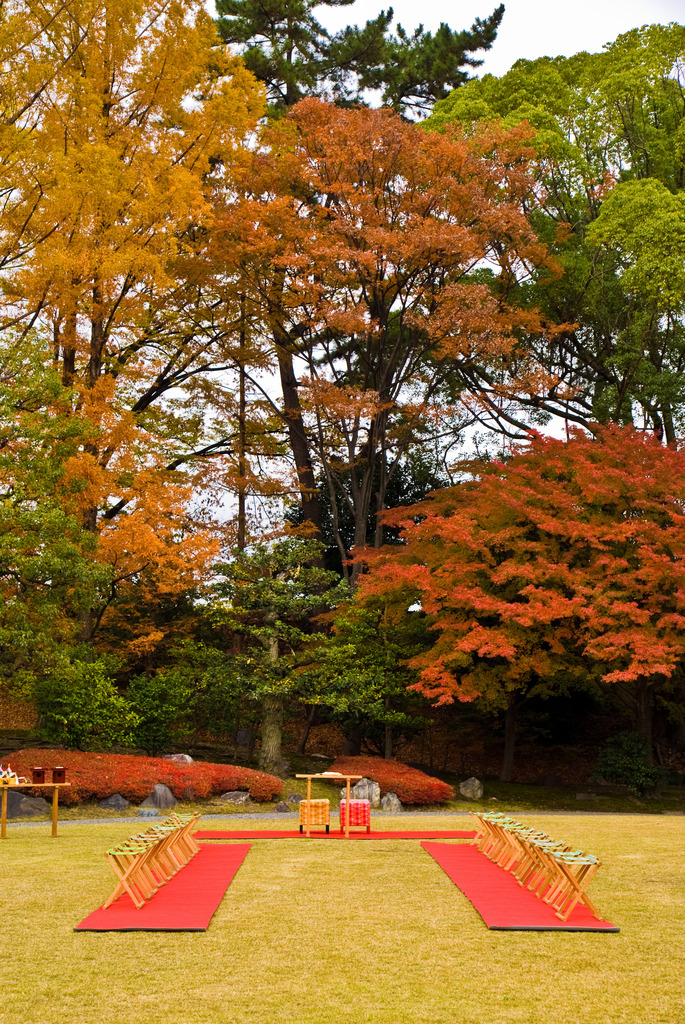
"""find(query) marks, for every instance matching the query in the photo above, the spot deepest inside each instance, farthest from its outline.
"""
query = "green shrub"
(159, 702)
(81, 709)
(625, 760)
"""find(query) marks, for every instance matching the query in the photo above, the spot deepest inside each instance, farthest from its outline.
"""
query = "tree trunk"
(270, 755)
(388, 734)
(242, 435)
(311, 720)
(299, 442)
(353, 742)
(509, 740)
(643, 713)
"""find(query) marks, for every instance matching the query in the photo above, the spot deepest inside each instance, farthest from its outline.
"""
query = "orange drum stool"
(315, 812)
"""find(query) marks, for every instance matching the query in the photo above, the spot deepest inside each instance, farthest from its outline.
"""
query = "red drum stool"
(360, 814)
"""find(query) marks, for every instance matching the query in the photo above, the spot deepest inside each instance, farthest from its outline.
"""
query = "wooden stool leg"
(3, 828)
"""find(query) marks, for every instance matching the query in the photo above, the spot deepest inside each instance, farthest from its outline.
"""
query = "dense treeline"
(244, 315)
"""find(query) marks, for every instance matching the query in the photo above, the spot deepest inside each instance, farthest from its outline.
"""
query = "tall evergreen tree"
(285, 47)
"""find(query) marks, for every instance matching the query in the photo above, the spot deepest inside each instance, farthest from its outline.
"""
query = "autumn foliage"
(571, 554)
(411, 785)
(95, 776)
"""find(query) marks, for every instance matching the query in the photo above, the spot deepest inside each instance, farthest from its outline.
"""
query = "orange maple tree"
(379, 261)
(567, 561)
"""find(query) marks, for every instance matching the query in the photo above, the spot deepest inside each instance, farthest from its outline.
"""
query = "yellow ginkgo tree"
(119, 125)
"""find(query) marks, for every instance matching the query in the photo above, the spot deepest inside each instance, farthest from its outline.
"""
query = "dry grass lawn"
(330, 932)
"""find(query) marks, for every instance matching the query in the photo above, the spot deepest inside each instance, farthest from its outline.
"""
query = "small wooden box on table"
(328, 777)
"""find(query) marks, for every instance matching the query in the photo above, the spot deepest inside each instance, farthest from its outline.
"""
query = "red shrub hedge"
(95, 776)
(410, 785)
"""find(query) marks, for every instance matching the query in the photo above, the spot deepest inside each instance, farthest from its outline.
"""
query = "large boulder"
(365, 789)
(391, 802)
(179, 758)
(160, 797)
(115, 802)
(472, 789)
(19, 805)
(235, 796)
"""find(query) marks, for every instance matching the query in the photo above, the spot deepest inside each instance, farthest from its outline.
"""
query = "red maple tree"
(567, 562)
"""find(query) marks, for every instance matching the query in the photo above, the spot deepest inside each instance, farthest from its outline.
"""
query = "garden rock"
(161, 797)
(148, 812)
(365, 789)
(472, 789)
(115, 802)
(181, 758)
(391, 802)
(295, 798)
(235, 796)
(282, 807)
(21, 806)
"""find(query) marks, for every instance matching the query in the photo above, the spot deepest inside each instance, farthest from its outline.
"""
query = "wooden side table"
(331, 777)
(54, 786)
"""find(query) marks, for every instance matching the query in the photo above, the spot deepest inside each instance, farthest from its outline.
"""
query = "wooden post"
(55, 797)
(347, 808)
(3, 829)
(309, 803)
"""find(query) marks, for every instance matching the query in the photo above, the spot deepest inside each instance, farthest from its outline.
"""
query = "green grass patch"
(345, 933)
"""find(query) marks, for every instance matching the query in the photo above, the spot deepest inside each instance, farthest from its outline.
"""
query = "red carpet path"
(185, 904)
(333, 835)
(502, 903)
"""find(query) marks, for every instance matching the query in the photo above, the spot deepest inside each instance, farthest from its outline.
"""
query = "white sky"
(530, 28)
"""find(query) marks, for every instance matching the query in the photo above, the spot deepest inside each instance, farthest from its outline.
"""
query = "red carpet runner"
(502, 903)
(333, 835)
(185, 904)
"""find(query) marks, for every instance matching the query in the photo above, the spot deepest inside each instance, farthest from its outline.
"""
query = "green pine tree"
(288, 50)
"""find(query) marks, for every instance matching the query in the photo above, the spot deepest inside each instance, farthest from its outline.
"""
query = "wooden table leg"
(347, 809)
(3, 828)
(309, 805)
(55, 797)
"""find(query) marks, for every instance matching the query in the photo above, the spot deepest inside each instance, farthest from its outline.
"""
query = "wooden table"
(54, 786)
(331, 777)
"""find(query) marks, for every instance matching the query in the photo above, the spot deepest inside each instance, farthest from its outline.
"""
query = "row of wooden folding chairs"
(146, 861)
(547, 867)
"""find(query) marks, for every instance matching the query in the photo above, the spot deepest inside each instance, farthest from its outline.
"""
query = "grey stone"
(235, 796)
(295, 798)
(148, 812)
(181, 758)
(472, 789)
(161, 797)
(21, 806)
(282, 807)
(391, 802)
(115, 802)
(243, 738)
(549, 780)
(365, 789)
